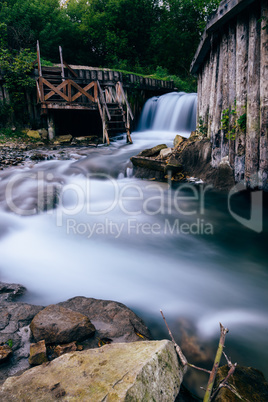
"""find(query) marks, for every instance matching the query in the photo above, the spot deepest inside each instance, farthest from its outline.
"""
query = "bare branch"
(198, 368)
(230, 364)
(178, 349)
(224, 382)
(217, 360)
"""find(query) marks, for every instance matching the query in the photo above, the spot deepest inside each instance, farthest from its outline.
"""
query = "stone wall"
(231, 64)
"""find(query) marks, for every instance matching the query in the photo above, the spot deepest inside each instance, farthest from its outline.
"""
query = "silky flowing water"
(87, 227)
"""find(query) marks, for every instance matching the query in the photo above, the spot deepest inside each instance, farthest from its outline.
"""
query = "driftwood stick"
(178, 349)
(198, 368)
(217, 360)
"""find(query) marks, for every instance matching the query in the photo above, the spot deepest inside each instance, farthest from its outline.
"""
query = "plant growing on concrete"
(201, 128)
(238, 123)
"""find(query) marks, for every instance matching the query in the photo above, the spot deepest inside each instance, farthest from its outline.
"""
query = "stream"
(87, 227)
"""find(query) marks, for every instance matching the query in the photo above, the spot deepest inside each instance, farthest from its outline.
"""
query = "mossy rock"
(248, 382)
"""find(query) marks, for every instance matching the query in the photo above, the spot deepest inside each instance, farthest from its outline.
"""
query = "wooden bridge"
(65, 87)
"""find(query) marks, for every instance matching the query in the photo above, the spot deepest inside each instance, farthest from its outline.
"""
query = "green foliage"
(238, 123)
(16, 67)
(201, 127)
(10, 343)
(242, 122)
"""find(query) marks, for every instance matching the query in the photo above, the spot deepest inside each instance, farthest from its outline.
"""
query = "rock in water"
(56, 324)
(10, 291)
(138, 371)
(247, 382)
(112, 320)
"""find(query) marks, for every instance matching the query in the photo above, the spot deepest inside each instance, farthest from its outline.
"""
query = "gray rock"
(14, 321)
(138, 371)
(57, 324)
(38, 353)
(111, 319)
(10, 291)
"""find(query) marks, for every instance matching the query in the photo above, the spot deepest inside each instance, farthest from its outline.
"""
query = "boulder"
(64, 138)
(248, 383)
(38, 353)
(152, 151)
(10, 291)
(5, 353)
(138, 371)
(111, 319)
(33, 134)
(178, 140)
(57, 324)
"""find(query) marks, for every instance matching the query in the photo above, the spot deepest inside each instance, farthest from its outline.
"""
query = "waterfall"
(175, 111)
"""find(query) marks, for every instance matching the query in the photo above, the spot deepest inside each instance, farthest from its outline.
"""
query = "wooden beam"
(39, 97)
(70, 69)
(80, 89)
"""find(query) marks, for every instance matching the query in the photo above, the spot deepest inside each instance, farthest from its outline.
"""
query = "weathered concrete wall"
(232, 68)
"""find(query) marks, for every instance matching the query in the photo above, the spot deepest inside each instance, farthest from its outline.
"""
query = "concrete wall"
(231, 64)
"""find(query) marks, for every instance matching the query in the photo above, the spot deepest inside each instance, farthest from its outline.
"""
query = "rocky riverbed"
(98, 349)
(23, 152)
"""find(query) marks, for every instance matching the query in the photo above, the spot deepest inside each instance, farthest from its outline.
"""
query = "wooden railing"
(65, 90)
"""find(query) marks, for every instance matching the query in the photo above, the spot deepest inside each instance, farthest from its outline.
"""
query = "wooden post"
(225, 93)
(216, 138)
(104, 127)
(264, 98)
(253, 98)
(129, 139)
(232, 85)
(39, 60)
(241, 91)
(61, 62)
(51, 126)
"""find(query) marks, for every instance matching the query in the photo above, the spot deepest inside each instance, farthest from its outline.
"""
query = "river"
(87, 227)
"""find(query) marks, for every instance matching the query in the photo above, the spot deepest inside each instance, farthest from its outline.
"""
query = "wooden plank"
(253, 101)
(68, 106)
(55, 89)
(263, 153)
(241, 90)
(124, 96)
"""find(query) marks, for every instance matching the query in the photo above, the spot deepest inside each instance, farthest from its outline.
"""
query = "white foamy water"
(142, 243)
